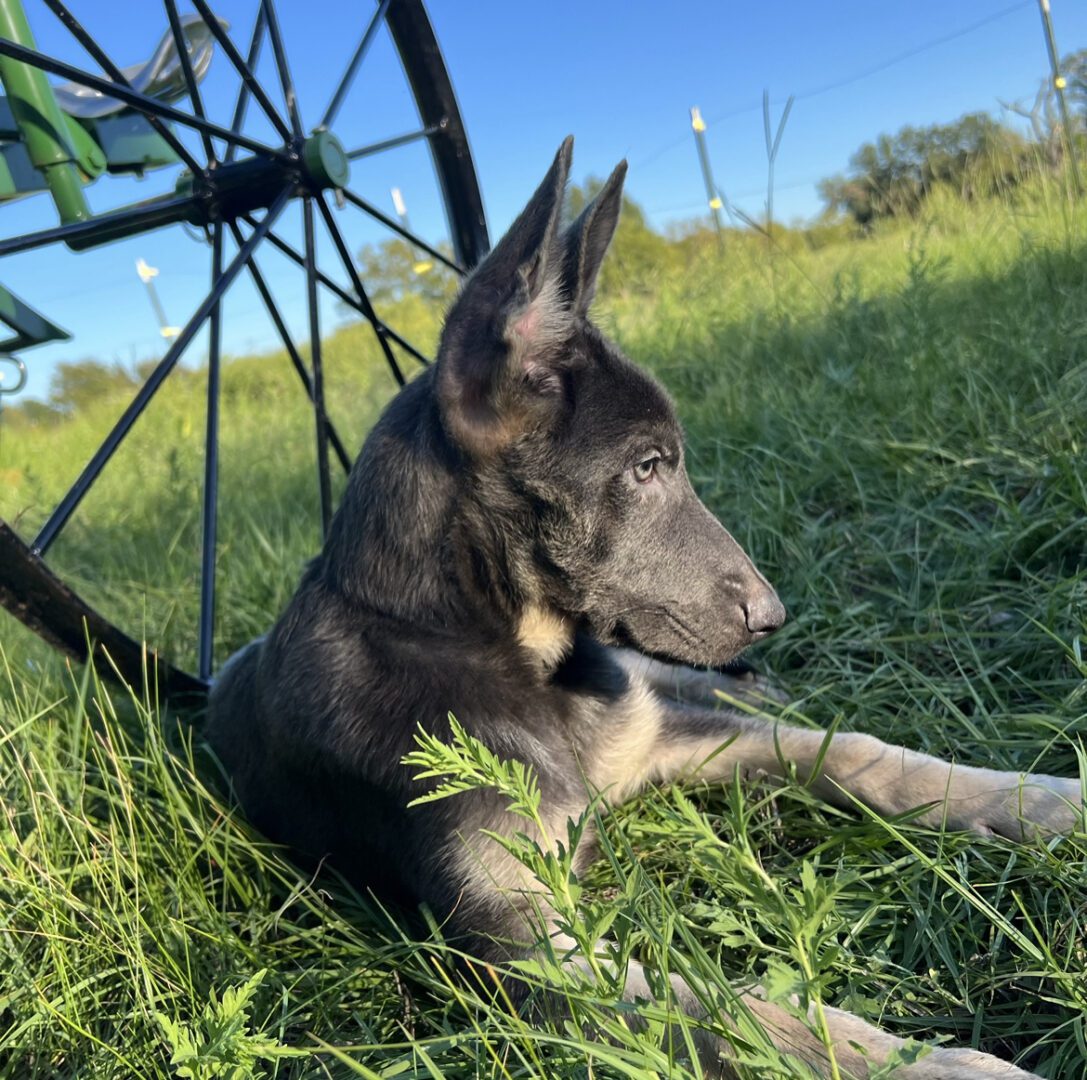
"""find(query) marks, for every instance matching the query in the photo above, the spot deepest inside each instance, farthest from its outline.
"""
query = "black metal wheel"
(236, 188)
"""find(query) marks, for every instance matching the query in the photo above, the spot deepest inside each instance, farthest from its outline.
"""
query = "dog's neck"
(406, 542)
(383, 550)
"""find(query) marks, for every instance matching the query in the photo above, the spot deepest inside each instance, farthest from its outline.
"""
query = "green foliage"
(395, 270)
(31, 413)
(467, 765)
(894, 430)
(808, 912)
(975, 156)
(1074, 69)
(74, 386)
(219, 1043)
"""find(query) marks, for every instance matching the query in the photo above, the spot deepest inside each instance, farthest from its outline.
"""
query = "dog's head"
(578, 455)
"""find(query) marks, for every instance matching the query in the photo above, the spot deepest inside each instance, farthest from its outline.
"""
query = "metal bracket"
(31, 327)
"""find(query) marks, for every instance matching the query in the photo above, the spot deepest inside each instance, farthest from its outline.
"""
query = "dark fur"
(500, 489)
(442, 540)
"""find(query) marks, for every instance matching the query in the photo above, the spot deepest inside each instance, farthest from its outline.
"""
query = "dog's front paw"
(750, 688)
(698, 686)
(1049, 806)
(1022, 808)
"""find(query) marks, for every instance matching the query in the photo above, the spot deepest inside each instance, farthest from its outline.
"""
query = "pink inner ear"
(527, 326)
(537, 334)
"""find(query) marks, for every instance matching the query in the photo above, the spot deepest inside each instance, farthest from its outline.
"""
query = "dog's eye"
(645, 470)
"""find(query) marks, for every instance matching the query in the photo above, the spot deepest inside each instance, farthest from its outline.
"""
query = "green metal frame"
(50, 147)
(44, 149)
(29, 327)
(40, 122)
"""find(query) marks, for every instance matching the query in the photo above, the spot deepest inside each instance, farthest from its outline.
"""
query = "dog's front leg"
(498, 903)
(699, 743)
(857, 1047)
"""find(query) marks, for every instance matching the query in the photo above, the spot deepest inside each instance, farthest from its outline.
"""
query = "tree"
(394, 269)
(975, 155)
(76, 383)
(32, 413)
(1074, 70)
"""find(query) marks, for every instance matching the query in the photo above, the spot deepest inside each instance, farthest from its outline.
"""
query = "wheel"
(246, 157)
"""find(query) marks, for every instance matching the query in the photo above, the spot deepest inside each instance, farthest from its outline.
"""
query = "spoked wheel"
(236, 188)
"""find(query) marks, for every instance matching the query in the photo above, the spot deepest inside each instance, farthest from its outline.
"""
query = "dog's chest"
(618, 741)
(612, 718)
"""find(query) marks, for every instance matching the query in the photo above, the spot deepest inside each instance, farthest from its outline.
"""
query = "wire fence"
(703, 131)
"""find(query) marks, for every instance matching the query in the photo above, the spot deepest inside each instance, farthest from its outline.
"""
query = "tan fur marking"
(546, 634)
(496, 885)
(624, 760)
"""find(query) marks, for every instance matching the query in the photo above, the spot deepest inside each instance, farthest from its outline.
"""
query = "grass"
(896, 430)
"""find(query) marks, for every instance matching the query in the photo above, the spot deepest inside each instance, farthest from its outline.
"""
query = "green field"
(895, 427)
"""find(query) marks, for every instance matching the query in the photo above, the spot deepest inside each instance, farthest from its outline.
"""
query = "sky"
(620, 77)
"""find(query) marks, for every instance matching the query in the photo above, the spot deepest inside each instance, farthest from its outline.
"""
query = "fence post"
(698, 126)
(1058, 85)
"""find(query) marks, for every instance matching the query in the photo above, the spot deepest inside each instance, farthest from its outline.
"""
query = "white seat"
(161, 77)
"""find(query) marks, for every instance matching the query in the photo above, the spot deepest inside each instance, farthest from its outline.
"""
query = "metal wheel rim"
(28, 587)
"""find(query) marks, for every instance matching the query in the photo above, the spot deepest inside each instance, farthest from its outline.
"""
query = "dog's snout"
(763, 613)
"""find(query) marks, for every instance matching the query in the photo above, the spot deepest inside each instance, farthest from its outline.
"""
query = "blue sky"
(619, 76)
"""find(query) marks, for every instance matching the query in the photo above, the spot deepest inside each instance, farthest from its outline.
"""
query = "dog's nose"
(763, 613)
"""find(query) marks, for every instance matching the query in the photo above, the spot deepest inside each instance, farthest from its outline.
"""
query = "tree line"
(976, 156)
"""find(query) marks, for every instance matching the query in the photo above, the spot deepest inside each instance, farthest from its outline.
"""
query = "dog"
(519, 545)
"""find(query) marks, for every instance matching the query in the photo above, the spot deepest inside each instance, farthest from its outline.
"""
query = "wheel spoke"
(243, 67)
(211, 465)
(315, 360)
(146, 392)
(356, 281)
(190, 78)
(413, 37)
(149, 106)
(238, 163)
(139, 218)
(292, 351)
(396, 140)
(407, 346)
(49, 607)
(243, 91)
(338, 290)
(353, 67)
(407, 234)
(115, 73)
(285, 79)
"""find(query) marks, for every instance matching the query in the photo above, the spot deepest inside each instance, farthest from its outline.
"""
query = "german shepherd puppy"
(519, 513)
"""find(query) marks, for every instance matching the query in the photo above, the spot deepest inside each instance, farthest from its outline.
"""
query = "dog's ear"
(586, 241)
(501, 351)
